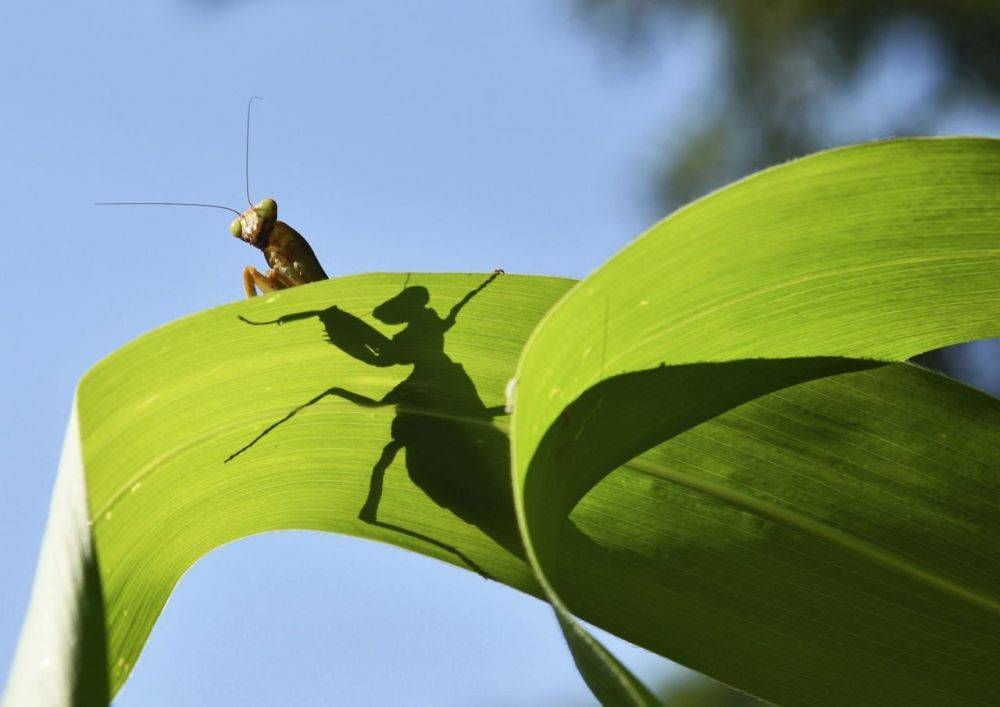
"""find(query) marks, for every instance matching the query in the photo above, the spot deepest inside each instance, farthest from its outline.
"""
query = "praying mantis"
(290, 258)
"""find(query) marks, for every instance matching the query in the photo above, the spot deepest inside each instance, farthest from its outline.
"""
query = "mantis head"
(255, 224)
(404, 307)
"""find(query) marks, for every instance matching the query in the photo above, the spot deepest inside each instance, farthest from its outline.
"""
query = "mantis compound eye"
(236, 227)
(267, 209)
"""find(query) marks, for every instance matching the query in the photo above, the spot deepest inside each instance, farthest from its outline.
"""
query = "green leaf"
(808, 521)
(755, 485)
(258, 416)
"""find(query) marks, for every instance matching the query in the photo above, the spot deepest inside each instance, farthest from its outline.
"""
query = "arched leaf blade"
(166, 488)
(775, 545)
(858, 256)
(257, 416)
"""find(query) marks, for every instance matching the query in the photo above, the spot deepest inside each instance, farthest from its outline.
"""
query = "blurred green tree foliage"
(789, 68)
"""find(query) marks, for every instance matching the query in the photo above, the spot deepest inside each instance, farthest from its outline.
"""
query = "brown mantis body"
(290, 257)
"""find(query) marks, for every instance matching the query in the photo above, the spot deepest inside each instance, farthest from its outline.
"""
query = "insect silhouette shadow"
(453, 452)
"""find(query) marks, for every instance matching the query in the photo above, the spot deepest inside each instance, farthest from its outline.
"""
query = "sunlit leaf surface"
(818, 523)
(718, 452)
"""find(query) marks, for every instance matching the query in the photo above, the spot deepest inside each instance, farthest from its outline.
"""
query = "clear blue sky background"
(452, 136)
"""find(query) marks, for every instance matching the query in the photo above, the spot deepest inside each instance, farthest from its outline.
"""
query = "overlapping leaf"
(757, 487)
(819, 523)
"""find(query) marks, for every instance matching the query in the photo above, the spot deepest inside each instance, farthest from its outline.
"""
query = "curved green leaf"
(816, 525)
(820, 524)
(368, 405)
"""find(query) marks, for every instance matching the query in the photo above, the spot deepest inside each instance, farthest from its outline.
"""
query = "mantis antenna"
(246, 171)
(246, 153)
(163, 203)
(290, 259)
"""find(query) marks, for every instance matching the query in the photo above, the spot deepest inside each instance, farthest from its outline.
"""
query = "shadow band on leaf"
(623, 416)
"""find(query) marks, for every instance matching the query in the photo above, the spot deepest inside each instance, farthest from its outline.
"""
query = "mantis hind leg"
(254, 280)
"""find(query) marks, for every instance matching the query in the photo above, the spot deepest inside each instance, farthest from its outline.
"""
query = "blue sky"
(452, 136)
(447, 138)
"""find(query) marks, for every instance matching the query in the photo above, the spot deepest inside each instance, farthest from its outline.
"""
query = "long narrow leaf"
(832, 525)
(791, 512)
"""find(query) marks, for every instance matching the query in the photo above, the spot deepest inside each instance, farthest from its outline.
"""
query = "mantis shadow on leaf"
(453, 452)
